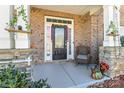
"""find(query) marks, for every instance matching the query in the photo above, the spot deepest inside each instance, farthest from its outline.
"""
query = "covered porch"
(88, 26)
(65, 75)
(84, 26)
(89, 29)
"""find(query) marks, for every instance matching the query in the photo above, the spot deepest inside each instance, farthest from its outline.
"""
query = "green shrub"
(12, 77)
(38, 84)
(122, 41)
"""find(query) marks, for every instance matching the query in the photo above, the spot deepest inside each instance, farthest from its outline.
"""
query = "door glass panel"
(59, 37)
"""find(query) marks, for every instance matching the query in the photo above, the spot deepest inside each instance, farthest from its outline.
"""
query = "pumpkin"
(96, 74)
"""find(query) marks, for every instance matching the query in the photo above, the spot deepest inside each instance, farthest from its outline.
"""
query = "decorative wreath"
(104, 67)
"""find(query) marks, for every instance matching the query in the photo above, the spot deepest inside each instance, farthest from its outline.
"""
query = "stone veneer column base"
(114, 57)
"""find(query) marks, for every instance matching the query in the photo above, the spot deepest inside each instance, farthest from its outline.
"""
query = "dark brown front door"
(59, 42)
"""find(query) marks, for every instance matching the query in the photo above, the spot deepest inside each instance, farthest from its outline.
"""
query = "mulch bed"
(116, 82)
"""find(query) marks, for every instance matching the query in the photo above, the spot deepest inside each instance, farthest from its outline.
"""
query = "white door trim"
(48, 43)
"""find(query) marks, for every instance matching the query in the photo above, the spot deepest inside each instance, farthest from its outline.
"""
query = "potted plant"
(104, 67)
(22, 13)
(112, 30)
(122, 41)
(13, 22)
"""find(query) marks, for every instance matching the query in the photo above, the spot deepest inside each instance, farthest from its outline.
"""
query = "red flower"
(104, 67)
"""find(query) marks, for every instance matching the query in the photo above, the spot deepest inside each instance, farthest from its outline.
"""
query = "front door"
(59, 42)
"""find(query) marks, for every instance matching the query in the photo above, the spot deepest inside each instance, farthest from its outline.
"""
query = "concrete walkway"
(63, 75)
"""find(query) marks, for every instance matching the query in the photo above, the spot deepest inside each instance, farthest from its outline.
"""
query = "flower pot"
(19, 27)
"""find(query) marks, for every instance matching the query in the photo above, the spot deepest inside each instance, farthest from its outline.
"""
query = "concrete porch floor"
(64, 74)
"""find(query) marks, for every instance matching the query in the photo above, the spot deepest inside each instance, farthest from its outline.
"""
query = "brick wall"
(83, 31)
(122, 15)
(97, 34)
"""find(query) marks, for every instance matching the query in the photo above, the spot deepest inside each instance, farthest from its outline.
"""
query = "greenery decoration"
(13, 22)
(96, 73)
(112, 29)
(21, 12)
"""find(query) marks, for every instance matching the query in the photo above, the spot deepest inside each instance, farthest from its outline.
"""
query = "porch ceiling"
(73, 9)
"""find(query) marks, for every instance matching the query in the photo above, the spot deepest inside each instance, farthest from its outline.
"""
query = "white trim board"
(122, 30)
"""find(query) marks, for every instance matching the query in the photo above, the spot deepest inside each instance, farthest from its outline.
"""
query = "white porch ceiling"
(73, 9)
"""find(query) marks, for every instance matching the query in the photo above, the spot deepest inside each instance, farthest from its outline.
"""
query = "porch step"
(57, 61)
(85, 85)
